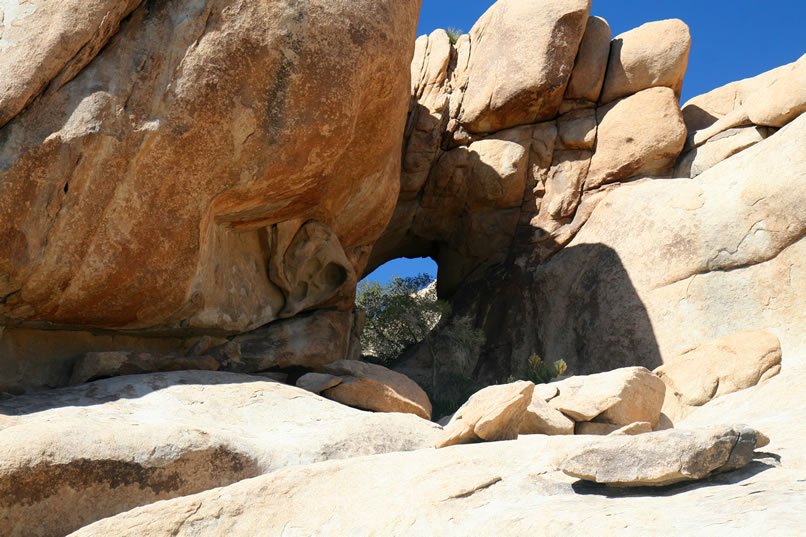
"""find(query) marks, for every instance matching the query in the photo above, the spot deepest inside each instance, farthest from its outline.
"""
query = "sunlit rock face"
(602, 260)
(511, 143)
(196, 166)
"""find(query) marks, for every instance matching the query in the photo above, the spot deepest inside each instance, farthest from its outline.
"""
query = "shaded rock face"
(192, 167)
(500, 172)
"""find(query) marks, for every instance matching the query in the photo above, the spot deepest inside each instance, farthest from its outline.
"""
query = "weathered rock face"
(216, 166)
(717, 368)
(77, 455)
(729, 119)
(522, 55)
(501, 171)
(704, 258)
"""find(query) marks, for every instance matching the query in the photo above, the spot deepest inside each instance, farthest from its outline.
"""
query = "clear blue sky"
(731, 40)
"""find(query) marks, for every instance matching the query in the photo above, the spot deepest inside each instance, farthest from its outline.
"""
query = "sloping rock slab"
(76, 455)
(664, 457)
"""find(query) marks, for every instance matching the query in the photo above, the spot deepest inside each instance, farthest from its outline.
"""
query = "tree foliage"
(399, 313)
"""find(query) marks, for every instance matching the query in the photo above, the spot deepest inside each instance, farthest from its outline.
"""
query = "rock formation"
(198, 184)
(191, 168)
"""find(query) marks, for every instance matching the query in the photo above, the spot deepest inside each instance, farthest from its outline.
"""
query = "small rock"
(374, 387)
(317, 382)
(639, 427)
(493, 413)
(664, 457)
(540, 418)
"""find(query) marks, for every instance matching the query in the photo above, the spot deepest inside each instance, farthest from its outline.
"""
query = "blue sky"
(731, 40)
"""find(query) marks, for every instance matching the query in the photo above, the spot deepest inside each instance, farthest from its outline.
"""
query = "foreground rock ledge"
(72, 456)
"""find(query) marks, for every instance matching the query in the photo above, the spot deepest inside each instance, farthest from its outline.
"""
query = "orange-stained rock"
(219, 165)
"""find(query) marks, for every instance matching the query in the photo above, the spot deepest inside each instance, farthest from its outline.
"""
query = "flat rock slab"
(496, 489)
(76, 455)
(664, 457)
(493, 413)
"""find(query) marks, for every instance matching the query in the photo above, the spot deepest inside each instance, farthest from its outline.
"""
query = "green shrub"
(541, 372)
(453, 34)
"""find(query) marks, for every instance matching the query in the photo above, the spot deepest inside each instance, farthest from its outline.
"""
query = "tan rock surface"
(505, 489)
(591, 62)
(654, 54)
(732, 260)
(619, 397)
(374, 387)
(540, 418)
(640, 134)
(238, 235)
(718, 148)
(493, 413)
(770, 99)
(719, 367)
(664, 457)
(522, 55)
(76, 455)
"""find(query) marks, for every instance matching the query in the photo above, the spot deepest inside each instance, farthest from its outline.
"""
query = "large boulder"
(771, 99)
(654, 54)
(76, 455)
(491, 414)
(522, 56)
(619, 397)
(642, 134)
(121, 207)
(374, 387)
